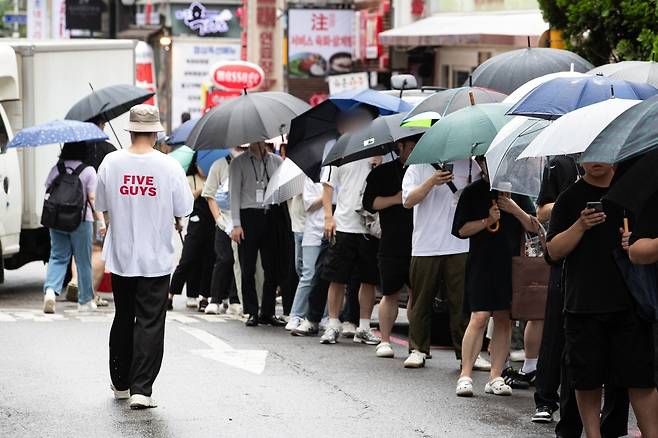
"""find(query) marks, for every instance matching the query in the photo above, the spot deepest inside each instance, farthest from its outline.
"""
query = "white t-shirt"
(433, 216)
(297, 213)
(314, 227)
(350, 180)
(142, 193)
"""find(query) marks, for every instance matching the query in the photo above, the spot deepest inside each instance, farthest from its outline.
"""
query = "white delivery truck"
(39, 82)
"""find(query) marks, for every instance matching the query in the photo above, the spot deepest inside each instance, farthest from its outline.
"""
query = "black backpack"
(65, 205)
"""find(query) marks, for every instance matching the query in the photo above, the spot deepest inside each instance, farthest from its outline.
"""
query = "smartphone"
(596, 206)
(448, 167)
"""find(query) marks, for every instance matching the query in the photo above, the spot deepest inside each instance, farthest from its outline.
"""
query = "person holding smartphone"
(605, 341)
(494, 223)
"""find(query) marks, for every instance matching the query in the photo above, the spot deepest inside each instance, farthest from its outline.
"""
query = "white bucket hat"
(144, 118)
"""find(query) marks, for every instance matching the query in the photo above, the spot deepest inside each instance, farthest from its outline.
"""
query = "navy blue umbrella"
(556, 97)
(57, 131)
(179, 135)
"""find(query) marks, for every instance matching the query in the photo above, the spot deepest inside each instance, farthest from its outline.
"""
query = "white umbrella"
(573, 132)
(505, 173)
(534, 83)
(286, 182)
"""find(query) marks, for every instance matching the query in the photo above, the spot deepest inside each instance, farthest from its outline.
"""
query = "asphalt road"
(220, 378)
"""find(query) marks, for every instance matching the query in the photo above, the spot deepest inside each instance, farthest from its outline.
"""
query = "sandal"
(498, 387)
(464, 387)
(100, 302)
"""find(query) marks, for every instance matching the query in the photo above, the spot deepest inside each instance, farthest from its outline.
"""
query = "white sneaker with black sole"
(212, 309)
(293, 323)
(305, 328)
(543, 414)
(139, 401)
(330, 336)
(347, 329)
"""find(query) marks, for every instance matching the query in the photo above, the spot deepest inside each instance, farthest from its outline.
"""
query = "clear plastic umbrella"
(505, 172)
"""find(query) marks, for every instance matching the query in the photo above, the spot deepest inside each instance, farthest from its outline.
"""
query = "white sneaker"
(192, 303)
(49, 301)
(234, 309)
(348, 329)
(415, 360)
(212, 309)
(305, 328)
(139, 401)
(367, 337)
(481, 364)
(120, 395)
(324, 323)
(498, 387)
(384, 350)
(89, 306)
(294, 322)
(330, 335)
(517, 355)
(464, 387)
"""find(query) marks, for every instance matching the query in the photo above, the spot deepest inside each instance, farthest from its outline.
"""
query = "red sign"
(216, 97)
(237, 75)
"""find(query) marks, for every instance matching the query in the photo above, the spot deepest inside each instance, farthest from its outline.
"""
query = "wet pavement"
(220, 378)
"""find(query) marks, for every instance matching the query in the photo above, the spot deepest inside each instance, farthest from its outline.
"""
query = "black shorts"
(393, 274)
(352, 254)
(613, 348)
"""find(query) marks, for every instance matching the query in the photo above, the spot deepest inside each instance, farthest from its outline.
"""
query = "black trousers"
(137, 335)
(222, 285)
(258, 229)
(551, 374)
(195, 266)
(317, 298)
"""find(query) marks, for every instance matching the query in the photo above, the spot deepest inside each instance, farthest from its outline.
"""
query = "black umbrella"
(637, 183)
(509, 70)
(378, 138)
(249, 118)
(108, 103)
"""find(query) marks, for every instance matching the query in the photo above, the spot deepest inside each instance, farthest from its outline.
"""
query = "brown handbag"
(530, 280)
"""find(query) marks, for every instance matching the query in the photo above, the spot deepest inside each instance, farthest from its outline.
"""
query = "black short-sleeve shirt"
(593, 283)
(559, 174)
(397, 222)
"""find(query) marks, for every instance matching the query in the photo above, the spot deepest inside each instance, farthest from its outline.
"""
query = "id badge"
(260, 196)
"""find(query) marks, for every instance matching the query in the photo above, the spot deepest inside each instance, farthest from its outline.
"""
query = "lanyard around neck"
(260, 179)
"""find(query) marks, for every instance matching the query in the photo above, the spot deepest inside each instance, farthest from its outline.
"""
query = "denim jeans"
(300, 305)
(299, 260)
(62, 245)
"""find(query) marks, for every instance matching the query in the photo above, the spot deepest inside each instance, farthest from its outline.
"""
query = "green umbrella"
(184, 156)
(461, 135)
(632, 133)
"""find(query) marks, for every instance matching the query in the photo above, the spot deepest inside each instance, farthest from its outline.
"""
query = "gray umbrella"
(378, 138)
(249, 118)
(509, 70)
(636, 71)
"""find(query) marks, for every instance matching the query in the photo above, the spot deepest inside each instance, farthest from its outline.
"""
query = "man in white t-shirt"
(352, 249)
(437, 257)
(141, 190)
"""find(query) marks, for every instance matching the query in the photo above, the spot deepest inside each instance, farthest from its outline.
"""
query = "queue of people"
(379, 225)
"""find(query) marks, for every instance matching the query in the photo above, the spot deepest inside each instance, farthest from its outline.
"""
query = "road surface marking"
(252, 361)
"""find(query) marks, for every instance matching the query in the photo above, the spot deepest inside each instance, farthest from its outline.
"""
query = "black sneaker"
(543, 414)
(518, 379)
(203, 303)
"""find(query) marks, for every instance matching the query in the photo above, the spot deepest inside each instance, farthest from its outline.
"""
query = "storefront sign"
(237, 75)
(84, 14)
(192, 60)
(58, 20)
(205, 21)
(351, 81)
(144, 70)
(266, 23)
(320, 41)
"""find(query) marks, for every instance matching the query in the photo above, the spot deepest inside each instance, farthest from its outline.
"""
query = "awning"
(446, 29)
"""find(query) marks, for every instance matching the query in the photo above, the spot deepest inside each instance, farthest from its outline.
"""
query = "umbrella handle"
(626, 228)
(495, 227)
